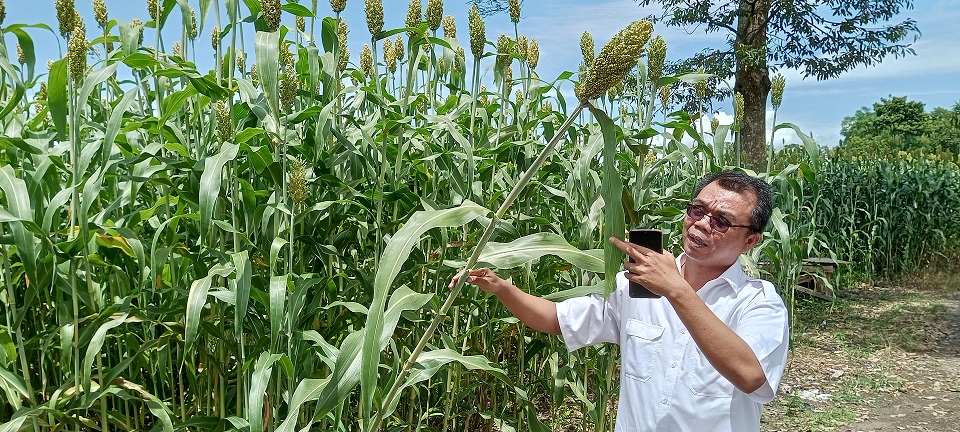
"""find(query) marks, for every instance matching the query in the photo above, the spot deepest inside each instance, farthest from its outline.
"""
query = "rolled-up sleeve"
(590, 320)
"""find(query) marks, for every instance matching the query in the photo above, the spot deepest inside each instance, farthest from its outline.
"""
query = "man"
(707, 354)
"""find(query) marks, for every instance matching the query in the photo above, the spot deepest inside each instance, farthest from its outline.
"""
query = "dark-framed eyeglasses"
(719, 224)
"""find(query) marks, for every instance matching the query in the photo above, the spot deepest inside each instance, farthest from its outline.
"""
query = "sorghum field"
(266, 244)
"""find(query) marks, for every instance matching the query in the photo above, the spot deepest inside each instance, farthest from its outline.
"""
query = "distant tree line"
(896, 124)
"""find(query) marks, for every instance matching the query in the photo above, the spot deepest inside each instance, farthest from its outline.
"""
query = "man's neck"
(698, 275)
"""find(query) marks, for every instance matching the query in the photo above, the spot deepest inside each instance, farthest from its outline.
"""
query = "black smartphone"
(650, 239)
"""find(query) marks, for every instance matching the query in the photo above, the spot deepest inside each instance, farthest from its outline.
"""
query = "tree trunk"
(752, 80)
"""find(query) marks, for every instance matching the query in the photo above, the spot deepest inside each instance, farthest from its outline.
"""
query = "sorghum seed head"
(66, 16)
(587, 47)
(624, 110)
(270, 11)
(366, 60)
(776, 87)
(522, 47)
(738, 108)
(449, 27)
(458, 60)
(389, 57)
(215, 37)
(154, 8)
(503, 51)
(301, 24)
(3, 11)
(441, 67)
(298, 181)
(478, 32)
(615, 60)
(20, 57)
(49, 64)
(77, 51)
(533, 54)
(656, 54)
(289, 85)
(701, 86)
(193, 25)
(434, 14)
(176, 49)
(286, 57)
(414, 16)
(41, 95)
(241, 61)
(483, 95)
(665, 96)
(137, 24)
(338, 5)
(254, 75)
(714, 125)
(224, 122)
(514, 6)
(344, 59)
(398, 48)
(519, 95)
(547, 107)
(374, 11)
(100, 13)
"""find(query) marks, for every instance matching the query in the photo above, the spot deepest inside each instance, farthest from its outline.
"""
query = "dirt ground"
(883, 358)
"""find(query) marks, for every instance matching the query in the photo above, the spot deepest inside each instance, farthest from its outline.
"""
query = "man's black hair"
(739, 182)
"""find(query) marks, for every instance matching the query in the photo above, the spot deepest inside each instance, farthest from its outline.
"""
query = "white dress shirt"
(666, 383)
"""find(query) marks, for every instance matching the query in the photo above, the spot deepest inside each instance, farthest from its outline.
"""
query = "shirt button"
(683, 331)
(673, 365)
(663, 401)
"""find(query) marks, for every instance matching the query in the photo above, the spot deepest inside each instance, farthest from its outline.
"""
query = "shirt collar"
(733, 276)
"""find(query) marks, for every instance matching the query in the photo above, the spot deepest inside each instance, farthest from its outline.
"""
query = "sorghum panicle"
(414, 16)
(398, 48)
(615, 60)
(389, 57)
(194, 32)
(374, 11)
(100, 13)
(503, 51)
(215, 38)
(483, 95)
(241, 62)
(587, 48)
(701, 86)
(434, 14)
(338, 5)
(522, 47)
(289, 85)
(66, 16)
(176, 49)
(49, 64)
(270, 11)
(738, 108)
(20, 58)
(224, 122)
(665, 96)
(458, 60)
(514, 7)
(533, 54)
(3, 11)
(507, 80)
(298, 182)
(657, 53)
(519, 95)
(366, 60)
(449, 27)
(714, 125)
(77, 50)
(547, 107)
(478, 32)
(41, 95)
(776, 87)
(154, 8)
(301, 24)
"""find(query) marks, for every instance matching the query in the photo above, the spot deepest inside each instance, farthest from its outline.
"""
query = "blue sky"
(818, 107)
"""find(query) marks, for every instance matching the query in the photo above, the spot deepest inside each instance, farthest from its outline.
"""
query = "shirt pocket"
(704, 380)
(641, 349)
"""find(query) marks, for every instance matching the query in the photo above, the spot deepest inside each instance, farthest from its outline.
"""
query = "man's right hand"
(483, 278)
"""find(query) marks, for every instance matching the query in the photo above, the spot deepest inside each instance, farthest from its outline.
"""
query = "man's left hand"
(655, 271)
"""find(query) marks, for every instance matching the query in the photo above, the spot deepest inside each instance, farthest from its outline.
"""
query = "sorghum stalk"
(777, 83)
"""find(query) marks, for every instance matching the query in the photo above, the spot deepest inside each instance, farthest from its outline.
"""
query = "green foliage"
(896, 124)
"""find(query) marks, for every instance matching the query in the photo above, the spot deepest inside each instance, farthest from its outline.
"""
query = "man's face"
(710, 247)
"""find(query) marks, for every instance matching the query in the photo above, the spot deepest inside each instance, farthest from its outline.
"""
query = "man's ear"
(752, 241)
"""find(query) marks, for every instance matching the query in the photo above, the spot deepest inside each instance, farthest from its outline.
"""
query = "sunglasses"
(719, 224)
